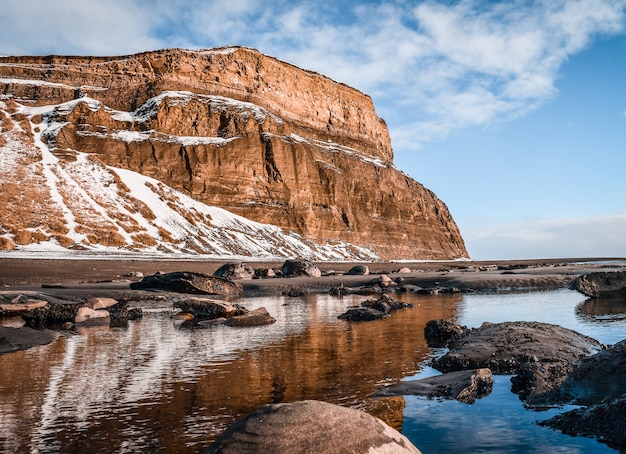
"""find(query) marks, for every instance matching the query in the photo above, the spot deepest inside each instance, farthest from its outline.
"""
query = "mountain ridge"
(298, 167)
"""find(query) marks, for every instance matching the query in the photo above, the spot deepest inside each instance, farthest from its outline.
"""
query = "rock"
(135, 313)
(101, 303)
(55, 313)
(89, 317)
(359, 270)
(597, 377)
(185, 316)
(264, 273)
(385, 281)
(235, 271)
(540, 353)
(17, 308)
(271, 142)
(438, 291)
(362, 314)
(386, 304)
(188, 282)
(256, 317)
(609, 284)
(118, 313)
(310, 426)
(605, 422)
(404, 270)
(439, 332)
(465, 386)
(135, 274)
(294, 293)
(202, 307)
(14, 339)
(294, 268)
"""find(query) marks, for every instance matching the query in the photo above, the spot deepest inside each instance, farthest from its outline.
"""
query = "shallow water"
(157, 386)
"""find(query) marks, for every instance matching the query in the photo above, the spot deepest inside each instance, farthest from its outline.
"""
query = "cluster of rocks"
(203, 312)
(551, 366)
(374, 309)
(41, 311)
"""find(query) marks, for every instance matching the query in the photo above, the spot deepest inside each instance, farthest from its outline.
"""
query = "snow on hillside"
(85, 207)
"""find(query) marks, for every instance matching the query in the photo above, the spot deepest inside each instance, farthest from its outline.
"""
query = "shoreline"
(110, 277)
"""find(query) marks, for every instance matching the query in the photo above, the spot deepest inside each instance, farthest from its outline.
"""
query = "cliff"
(229, 128)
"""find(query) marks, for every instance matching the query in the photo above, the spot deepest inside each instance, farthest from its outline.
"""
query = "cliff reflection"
(156, 387)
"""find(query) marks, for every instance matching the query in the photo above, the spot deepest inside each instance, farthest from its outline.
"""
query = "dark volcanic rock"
(606, 422)
(235, 271)
(293, 268)
(362, 314)
(188, 282)
(542, 354)
(439, 332)
(14, 339)
(608, 284)
(597, 377)
(464, 386)
(312, 427)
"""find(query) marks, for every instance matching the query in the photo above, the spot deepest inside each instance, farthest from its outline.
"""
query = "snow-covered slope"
(61, 201)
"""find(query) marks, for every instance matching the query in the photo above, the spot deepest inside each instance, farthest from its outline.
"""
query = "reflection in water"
(158, 387)
(603, 310)
(155, 386)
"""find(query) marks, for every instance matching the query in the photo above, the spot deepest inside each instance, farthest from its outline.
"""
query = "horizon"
(512, 113)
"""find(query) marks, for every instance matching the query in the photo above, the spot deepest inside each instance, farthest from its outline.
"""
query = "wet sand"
(110, 277)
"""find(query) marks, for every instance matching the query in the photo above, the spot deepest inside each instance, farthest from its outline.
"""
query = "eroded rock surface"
(602, 284)
(14, 339)
(311, 426)
(231, 128)
(464, 386)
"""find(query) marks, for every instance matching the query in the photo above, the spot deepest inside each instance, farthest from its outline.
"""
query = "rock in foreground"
(310, 426)
(605, 284)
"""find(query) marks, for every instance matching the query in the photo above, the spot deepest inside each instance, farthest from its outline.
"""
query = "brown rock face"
(243, 131)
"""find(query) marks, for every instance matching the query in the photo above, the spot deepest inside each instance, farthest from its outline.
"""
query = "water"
(159, 387)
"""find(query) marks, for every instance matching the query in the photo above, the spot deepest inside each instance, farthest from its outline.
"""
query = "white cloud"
(600, 236)
(432, 68)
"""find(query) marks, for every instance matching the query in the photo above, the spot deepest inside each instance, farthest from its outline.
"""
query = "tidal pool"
(156, 386)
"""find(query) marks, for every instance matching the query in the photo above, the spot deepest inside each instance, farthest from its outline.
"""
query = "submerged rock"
(465, 386)
(310, 426)
(14, 339)
(256, 317)
(188, 282)
(209, 308)
(609, 284)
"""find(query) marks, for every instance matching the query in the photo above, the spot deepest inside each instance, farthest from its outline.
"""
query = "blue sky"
(513, 113)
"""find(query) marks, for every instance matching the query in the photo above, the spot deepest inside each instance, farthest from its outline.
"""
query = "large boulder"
(542, 355)
(235, 271)
(188, 282)
(294, 268)
(601, 284)
(465, 386)
(310, 426)
(14, 339)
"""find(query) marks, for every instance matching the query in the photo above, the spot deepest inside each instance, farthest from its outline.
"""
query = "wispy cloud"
(432, 68)
(600, 236)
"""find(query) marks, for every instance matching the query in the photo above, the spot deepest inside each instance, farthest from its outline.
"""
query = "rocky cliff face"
(230, 128)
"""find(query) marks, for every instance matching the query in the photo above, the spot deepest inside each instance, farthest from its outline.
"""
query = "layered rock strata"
(240, 130)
